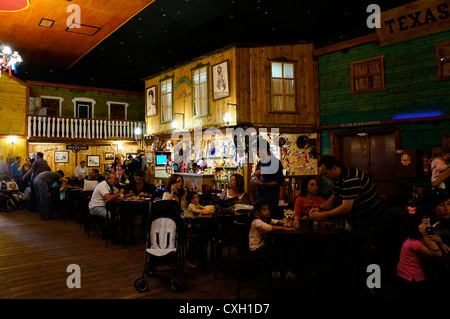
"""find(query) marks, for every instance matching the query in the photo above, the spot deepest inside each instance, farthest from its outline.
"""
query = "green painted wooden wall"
(411, 86)
(135, 111)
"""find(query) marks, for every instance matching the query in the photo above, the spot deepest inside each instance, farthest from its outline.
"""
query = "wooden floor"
(35, 254)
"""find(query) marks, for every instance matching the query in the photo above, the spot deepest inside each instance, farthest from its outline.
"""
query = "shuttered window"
(367, 75)
(443, 60)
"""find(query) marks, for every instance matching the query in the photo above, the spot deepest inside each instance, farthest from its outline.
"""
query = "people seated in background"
(14, 193)
(438, 165)
(235, 191)
(258, 241)
(175, 190)
(418, 244)
(105, 191)
(81, 171)
(116, 167)
(309, 197)
(139, 187)
(95, 175)
(4, 193)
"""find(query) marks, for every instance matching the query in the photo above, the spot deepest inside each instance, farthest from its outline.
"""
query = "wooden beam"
(373, 37)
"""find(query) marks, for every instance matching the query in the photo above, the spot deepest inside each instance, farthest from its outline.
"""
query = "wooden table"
(321, 241)
(127, 211)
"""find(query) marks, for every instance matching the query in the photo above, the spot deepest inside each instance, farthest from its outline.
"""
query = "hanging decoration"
(9, 59)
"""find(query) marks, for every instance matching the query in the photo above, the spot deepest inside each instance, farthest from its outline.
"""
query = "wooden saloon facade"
(261, 87)
(385, 98)
(379, 102)
(82, 123)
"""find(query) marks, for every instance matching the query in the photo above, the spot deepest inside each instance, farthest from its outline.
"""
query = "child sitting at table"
(192, 228)
(258, 242)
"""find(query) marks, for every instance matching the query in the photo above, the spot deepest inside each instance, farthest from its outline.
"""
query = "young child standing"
(261, 225)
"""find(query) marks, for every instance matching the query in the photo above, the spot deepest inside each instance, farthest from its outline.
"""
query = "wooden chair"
(245, 257)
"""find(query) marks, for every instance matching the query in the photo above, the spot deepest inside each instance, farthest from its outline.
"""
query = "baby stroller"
(164, 243)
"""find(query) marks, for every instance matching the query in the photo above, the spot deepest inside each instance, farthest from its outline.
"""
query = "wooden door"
(374, 153)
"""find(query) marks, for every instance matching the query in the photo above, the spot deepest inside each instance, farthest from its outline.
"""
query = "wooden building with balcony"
(80, 121)
(267, 87)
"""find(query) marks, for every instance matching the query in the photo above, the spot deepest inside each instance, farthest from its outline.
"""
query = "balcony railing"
(64, 127)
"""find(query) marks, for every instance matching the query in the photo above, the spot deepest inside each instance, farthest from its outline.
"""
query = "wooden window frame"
(125, 105)
(294, 66)
(367, 75)
(439, 62)
(47, 97)
(163, 96)
(198, 68)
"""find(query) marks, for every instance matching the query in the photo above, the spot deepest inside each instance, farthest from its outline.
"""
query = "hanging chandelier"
(9, 59)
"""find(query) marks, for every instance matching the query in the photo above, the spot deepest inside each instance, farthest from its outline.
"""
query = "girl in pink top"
(418, 244)
(309, 197)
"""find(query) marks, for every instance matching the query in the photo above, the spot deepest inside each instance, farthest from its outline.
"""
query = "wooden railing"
(64, 127)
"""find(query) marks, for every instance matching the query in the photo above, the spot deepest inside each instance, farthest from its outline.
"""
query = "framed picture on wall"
(109, 156)
(150, 101)
(220, 80)
(93, 161)
(61, 157)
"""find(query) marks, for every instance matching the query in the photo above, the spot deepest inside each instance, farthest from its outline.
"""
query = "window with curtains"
(166, 100)
(282, 87)
(200, 91)
(367, 75)
(443, 60)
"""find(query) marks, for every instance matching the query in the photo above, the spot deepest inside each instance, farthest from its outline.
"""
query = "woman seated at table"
(309, 197)
(235, 194)
(139, 187)
(175, 189)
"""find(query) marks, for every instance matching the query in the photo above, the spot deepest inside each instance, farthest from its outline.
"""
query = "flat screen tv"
(161, 160)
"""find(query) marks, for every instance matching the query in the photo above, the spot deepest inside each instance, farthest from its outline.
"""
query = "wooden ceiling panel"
(56, 46)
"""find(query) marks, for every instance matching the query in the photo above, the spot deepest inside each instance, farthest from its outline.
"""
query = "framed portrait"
(61, 157)
(220, 80)
(93, 161)
(109, 156)
(151, 101)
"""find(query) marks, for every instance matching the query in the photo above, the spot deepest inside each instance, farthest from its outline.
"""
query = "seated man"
(95, 175)
(105, 191)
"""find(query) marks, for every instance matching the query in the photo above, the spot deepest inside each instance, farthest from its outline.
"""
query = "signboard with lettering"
(77, 147)
(414, 20)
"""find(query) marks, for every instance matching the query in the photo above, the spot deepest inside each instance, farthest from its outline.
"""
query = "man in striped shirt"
(353, 195)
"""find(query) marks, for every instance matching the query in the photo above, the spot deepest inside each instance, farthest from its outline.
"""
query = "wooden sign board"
(413, 20)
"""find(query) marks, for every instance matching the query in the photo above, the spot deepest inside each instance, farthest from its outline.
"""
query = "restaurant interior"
(185, 88)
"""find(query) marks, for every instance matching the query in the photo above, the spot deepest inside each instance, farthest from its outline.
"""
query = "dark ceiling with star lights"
(171, 32)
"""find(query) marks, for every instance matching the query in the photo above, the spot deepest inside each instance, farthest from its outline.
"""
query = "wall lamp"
(227, 117)
(175, 124)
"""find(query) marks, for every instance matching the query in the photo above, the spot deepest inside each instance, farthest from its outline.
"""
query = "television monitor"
(161, 160)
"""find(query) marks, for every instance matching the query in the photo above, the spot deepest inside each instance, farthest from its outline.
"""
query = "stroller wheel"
(176, 284)
(141, 284)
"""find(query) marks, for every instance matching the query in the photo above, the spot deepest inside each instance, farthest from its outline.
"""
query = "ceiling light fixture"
(9, 59)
